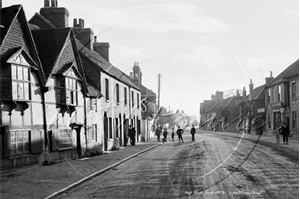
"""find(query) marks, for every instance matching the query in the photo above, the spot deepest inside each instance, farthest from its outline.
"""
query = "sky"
(198, 46)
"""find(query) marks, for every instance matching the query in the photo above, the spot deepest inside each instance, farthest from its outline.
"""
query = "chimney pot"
(75, 22)
(46, 3)
(53, 3)
(271, 74)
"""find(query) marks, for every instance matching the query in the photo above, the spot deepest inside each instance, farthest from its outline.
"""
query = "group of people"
(179, 133)
(131, 136)
(284, 131)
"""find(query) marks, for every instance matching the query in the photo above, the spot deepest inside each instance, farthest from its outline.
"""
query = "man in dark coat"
(157, 133)
(285, 133)
(179, 133)
(193, 131)
(132, 136)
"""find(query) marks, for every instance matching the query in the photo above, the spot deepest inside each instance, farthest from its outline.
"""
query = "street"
(214, 166)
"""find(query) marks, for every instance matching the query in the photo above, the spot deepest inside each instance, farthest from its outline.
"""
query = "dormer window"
(20, 82)
(67, 89)
(15, 77)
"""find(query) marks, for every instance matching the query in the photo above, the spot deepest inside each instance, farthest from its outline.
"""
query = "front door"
(277, 119)
(105, 122)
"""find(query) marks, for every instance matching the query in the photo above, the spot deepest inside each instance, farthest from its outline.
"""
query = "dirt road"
(214, 166)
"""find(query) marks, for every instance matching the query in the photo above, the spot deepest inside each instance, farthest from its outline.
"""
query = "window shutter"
(36, 141)
(6, 144)
(55, 142)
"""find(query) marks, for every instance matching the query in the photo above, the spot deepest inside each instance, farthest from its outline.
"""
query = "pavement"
(268, 140)
(52, 180)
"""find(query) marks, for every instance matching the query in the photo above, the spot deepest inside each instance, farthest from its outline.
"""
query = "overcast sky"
(199, 46)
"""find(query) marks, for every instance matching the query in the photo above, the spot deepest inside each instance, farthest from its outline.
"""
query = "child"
(173, 134)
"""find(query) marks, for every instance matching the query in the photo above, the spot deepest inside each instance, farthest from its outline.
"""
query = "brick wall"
(294, 106)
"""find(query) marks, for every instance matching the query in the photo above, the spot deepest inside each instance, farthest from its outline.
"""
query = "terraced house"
(282, 100)
(60, 95)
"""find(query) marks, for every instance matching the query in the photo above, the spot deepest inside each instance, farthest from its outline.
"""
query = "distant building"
(148, 103)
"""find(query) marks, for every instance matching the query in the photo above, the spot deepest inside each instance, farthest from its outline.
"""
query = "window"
(269, 95)
(106, 89)
(92, 133)
(117, 129)
(20, 82)
(132, 97)
(92, 104)
(19, 142)
(71, 91)
(117, 93)
(293, 90)
(110, 128)
(138, 100)
(66, 90)
(125, 96)
(294, 119)
(279, 93)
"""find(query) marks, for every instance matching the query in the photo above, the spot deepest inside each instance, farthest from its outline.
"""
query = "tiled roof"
(41, 21)
(256, 94)
(105, 65)
(50, 44)
(208, 105)
(289, 72)
(6, 16)
(229, 102)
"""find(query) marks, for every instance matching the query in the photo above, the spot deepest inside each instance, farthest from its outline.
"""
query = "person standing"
(157, 133)
(132, 136)
(193, 131)
(165, 134)
(173, 134)
(285, 133)
(179, 133)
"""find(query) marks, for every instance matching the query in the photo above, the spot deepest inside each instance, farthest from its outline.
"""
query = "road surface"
(213, 166)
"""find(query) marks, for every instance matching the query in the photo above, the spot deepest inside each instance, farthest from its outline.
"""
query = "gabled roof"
(291, 71)
(50, 44)
(8, 16)
(229, 102)
(256, 94)
(40, 21)
(105, 66)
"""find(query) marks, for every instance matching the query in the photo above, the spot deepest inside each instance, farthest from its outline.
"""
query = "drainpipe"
(45, 154)
(85, 125)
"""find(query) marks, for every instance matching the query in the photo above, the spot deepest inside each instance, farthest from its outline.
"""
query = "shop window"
(138, 100)
(19, 142)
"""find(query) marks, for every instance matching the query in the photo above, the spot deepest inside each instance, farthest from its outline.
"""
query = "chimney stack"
(244, 92)
(268, 79)
(59, 17)
(251, 86)
(84, 35)
(102, 48)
